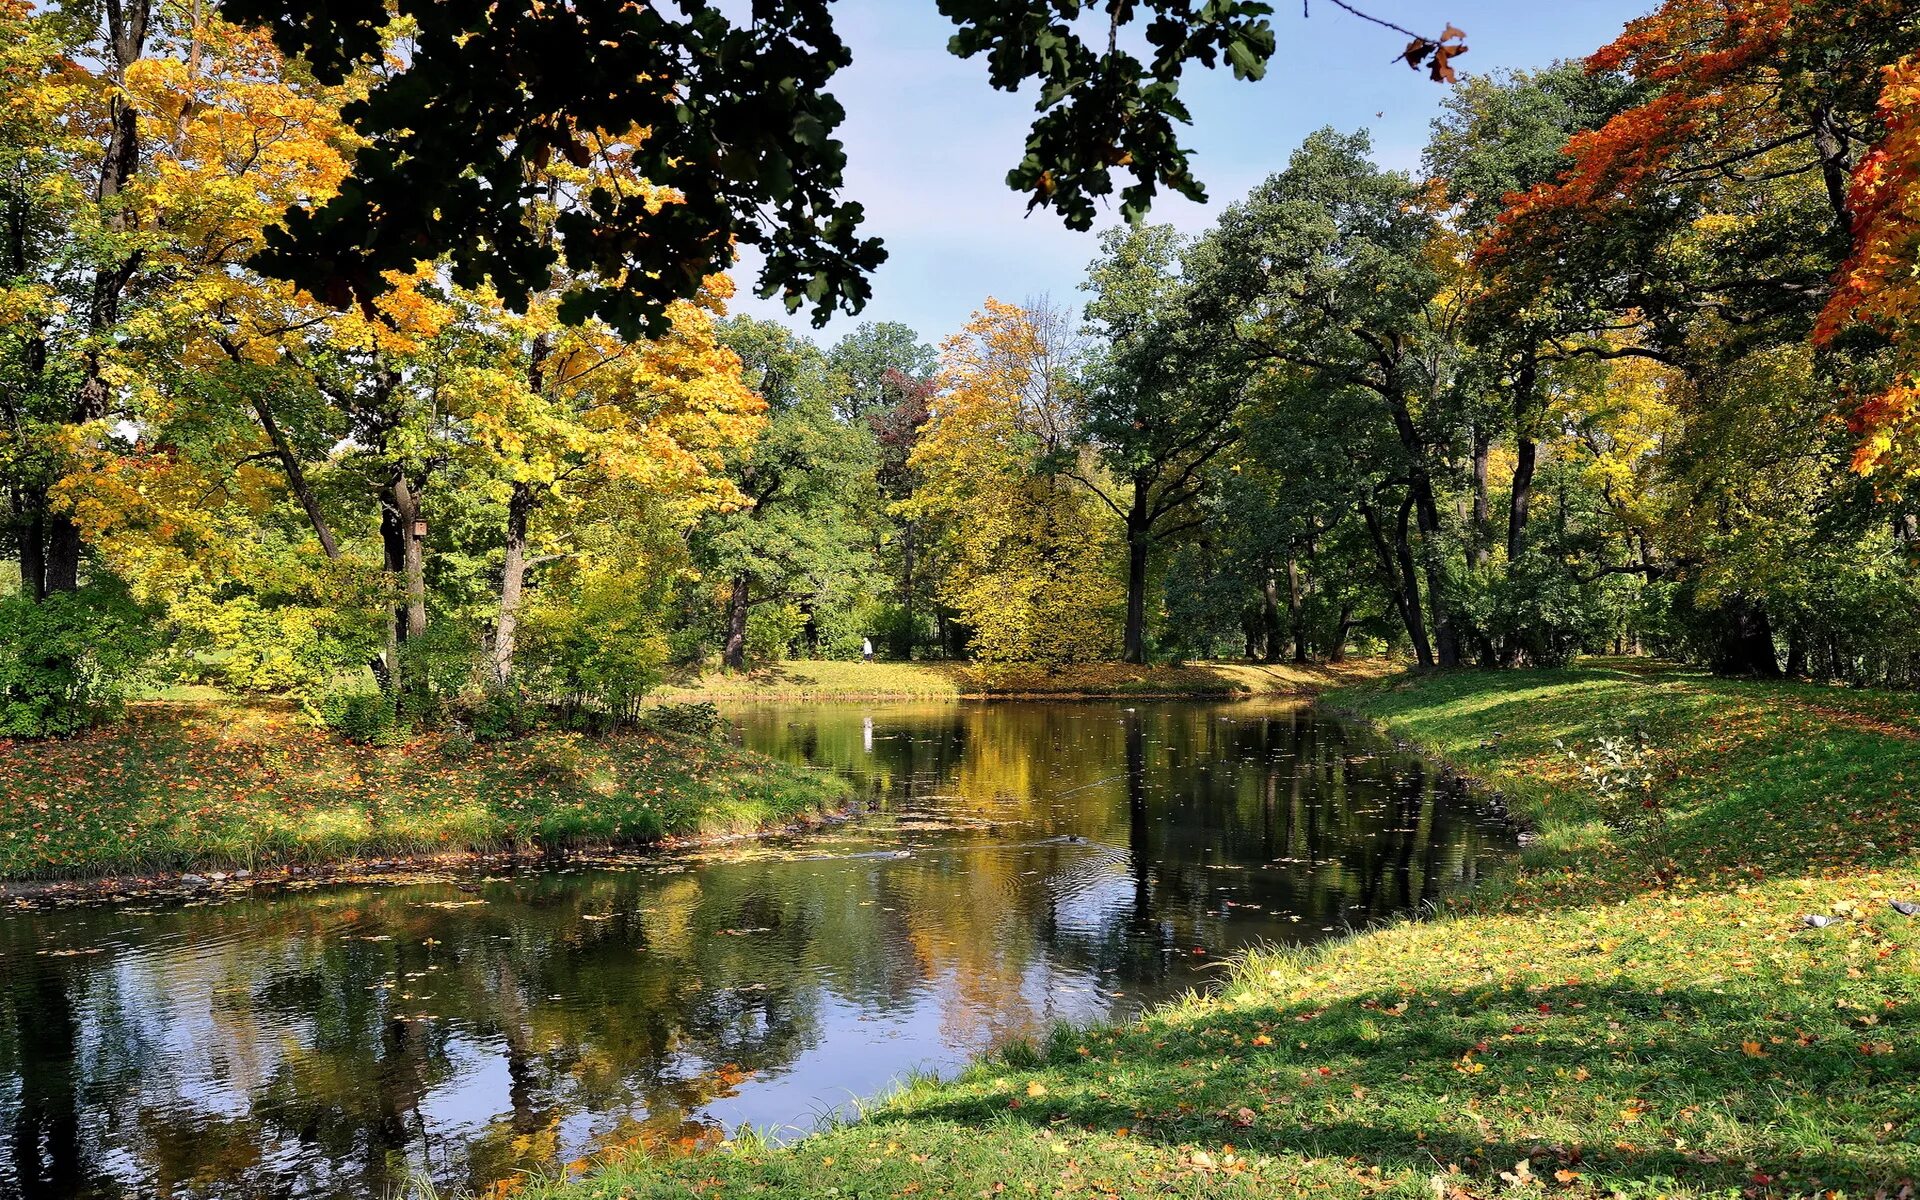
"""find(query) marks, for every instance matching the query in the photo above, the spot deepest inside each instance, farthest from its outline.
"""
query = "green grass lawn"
(225, 783)
(802, 679)
(1635, 1010)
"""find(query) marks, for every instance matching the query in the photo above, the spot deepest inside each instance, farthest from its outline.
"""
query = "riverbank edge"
(1566, 937)
(424, 866)
(765, 798)
(826, 681)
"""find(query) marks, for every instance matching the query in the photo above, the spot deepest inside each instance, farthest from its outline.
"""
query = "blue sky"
(929, 143)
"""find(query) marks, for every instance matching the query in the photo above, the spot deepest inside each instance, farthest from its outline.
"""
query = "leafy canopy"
(478, 96)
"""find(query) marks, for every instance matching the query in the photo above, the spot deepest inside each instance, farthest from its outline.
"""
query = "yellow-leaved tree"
(1031, 565)
(559, 415)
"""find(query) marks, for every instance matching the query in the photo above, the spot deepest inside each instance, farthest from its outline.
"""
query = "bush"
(283, 646)
(597, 643)
(437, 667)
(772, 630)
(1621, 771)
(66, 660)
(361, 714)
(500, 714)
(1538, 610)
(698, 718)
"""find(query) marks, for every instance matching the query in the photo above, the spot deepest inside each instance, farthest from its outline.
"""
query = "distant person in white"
(866, 649)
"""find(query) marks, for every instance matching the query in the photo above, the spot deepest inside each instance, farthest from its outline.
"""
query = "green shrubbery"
(596, 648)
(697, 718)
(67, 660)
(360, 713)
(281, 646)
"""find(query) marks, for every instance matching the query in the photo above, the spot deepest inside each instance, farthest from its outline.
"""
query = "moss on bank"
(227, 783)
(826, 680)
(1635, 1010)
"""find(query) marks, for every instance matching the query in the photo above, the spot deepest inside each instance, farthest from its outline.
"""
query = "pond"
(1010, 866)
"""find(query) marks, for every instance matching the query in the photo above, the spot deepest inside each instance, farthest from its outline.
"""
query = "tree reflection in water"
(1020, 864)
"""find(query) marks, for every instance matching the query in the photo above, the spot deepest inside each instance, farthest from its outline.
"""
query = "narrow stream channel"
(1013, 865)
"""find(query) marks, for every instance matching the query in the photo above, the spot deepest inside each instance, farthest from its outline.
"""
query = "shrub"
(499, 714)
(698, 718)
(459, 743)
(1621, 772)
(66, 660)
(1539, 610)
(596, 643)
(276, 646)
(772, 630)
(438, 666)
(360, 714)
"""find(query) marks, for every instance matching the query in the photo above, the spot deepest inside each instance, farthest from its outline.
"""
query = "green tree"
(1158, 407)
(1326, 272)
(801, 479)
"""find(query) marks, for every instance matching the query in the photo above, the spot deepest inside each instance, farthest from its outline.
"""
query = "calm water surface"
(1014, 865)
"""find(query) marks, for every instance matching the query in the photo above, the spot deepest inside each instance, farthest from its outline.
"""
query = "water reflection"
(1018, 864)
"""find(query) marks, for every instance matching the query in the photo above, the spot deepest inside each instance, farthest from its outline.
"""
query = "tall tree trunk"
(394, 564)
(399, 513)
(1480, 542)
(1481, 548)
(1796, 651)
(1526, 455)
(1273, 639)
(29, 531)
(1402, 578)
(1139, 535)
(296, 474)
(1746, 643)
(1296, 611)
(1446, 639)
(1830, 145)
(1337, 652)
(733, 655)
(119, 160)
(513, 579)
(406, 507)
(297, 480)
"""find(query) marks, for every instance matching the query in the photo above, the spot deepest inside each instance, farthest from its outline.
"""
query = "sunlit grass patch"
(828, 680)
(180, 786)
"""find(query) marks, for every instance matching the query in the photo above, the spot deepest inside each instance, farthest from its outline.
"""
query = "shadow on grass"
(1628, 1088)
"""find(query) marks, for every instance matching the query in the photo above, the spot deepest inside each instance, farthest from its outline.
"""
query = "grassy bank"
(1637, 1009)
(811, 680)
(233, 784)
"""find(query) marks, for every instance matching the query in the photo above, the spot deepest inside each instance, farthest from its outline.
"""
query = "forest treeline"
(1624, 366)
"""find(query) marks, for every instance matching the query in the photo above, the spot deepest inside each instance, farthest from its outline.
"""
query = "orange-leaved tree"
(1879, 288)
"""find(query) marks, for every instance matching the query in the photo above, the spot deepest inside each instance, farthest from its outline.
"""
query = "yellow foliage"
(1032, 563)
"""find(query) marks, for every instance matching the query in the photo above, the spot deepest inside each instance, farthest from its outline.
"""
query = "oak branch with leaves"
(485, 94)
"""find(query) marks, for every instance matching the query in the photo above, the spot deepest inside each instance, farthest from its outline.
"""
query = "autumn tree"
(1499, 137)
(1873, 310)
(1030, 556)
(556, 412)
(1708, 216)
